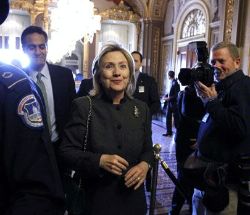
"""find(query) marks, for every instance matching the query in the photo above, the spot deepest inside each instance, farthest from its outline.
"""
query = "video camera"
(202, 71)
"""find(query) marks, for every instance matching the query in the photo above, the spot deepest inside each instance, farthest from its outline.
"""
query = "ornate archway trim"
(187, 8)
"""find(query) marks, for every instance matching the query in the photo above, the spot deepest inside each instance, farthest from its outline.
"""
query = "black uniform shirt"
(29, 182)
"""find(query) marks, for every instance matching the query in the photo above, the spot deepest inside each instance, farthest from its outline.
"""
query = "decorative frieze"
(120, 12)
(229, 20)
(156, 48)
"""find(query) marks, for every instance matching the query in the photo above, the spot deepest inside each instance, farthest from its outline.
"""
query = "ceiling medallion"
(120, 12)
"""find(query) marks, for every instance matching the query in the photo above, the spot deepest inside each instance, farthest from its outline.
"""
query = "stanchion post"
(164, 165)
(154, 179)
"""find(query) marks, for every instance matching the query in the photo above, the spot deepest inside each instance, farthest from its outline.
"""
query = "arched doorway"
(193, 26)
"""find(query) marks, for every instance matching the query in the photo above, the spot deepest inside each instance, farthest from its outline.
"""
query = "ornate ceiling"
(149, 9)
(138, 6)
(30, 5)
(120, 12)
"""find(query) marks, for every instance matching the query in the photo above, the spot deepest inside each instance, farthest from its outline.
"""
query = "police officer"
(29, 182)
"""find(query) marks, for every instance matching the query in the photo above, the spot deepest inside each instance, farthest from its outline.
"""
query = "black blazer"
(85, 86)
(63, 86)
(173, 93)
(113, 129)
(146, 90)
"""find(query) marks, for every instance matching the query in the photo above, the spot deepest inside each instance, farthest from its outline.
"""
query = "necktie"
(43, 90)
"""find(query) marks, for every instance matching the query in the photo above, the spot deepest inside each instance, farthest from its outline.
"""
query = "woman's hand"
(136, 175)
(113, 163)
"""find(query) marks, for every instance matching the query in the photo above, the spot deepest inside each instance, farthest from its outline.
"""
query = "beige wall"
(103, 4)
(246, 47)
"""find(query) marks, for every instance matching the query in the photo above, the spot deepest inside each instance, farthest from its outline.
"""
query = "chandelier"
(71, 21)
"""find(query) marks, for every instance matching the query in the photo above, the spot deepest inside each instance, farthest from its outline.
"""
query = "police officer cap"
(4, 10)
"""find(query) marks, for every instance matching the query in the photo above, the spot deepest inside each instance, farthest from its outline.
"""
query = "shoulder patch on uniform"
(30, 112)
(11, 75)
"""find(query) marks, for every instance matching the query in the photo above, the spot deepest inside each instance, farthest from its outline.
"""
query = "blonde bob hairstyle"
(96, 69)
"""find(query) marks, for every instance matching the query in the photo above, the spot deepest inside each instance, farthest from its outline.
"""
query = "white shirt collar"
(44, 72)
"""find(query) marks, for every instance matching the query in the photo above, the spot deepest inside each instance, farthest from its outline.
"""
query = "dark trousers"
(75, 197)
(243, 171)
(172, 110)
(178, 200)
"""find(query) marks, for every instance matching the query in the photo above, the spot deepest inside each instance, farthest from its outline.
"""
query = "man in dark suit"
(146, 86)
(171, 103)
(146, 90)
(56, 82)
(85, 87)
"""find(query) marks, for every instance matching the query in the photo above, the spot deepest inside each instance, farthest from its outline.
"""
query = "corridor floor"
(164, 185)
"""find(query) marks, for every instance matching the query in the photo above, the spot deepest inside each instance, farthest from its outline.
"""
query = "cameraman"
(224, 133)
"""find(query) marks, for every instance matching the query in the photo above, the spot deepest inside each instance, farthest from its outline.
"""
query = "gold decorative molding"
(120, 12)
(139, 6)
(36, 9)
(21, 5)
(46, 17)
(157, 10)
(164, 67)
(156, 48)
(29, 5)
(229, 20)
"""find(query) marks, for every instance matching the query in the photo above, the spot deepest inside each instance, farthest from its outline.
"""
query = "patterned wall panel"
(166, 65)
(155, 53)
(214, 38)
(229, 20)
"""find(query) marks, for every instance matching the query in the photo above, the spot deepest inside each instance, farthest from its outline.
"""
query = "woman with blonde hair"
(119, 148)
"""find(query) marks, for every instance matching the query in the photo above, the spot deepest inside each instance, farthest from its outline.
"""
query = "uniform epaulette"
(11, 75)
